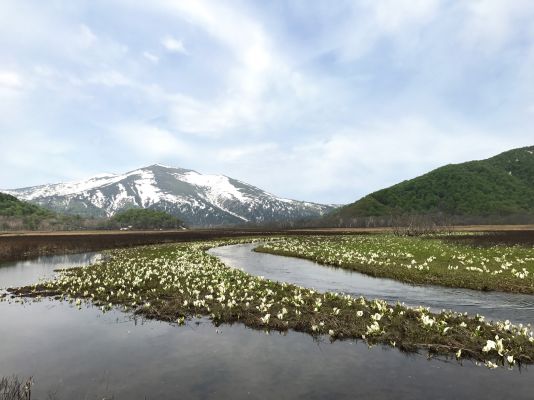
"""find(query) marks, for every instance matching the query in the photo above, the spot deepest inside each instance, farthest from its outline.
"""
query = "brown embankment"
(23, 245)
(32, 244)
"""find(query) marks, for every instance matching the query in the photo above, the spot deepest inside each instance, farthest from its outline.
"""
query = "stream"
(87, 354)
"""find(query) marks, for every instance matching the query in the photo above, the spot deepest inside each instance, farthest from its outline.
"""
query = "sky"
(323, 101)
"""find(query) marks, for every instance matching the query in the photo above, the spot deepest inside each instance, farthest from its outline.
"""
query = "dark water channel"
(84, 354)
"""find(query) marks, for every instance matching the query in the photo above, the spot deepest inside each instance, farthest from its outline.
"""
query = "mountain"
(498, 187)
(197, 199)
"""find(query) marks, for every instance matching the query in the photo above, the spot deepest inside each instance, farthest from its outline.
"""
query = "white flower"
(490, 345)
(490, 365)
(265, 319)
(373, 328)
(427, 321)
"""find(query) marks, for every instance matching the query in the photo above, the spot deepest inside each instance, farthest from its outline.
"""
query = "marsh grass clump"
(180, 281)
(419, 260)
(13, 388)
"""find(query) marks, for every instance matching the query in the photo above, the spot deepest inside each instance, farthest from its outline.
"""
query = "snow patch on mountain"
(199, 199)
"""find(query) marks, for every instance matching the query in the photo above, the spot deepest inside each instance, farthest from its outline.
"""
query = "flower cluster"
(419, 259)
(179, 281)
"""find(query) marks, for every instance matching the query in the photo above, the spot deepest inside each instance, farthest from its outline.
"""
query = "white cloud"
(394, 16)
(241, 153)
(173, 45)
(151, 57)
(260, 85)
(493, 23)
(348, 164)
(10, 80)
(150, 140)
(36, 155)
(86, 36)
(109, 78)
(303, 104)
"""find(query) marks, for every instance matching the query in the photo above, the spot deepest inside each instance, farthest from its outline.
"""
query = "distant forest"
(20, 215)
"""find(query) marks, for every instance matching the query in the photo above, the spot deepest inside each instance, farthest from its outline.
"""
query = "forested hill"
(10, 206)
(17, 214)
(498, 187)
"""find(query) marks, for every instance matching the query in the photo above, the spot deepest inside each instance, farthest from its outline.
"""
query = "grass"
(418, 260)
(180, 281)
(15, 389)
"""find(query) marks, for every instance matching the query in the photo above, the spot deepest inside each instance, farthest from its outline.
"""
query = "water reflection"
(84, 354)
(20, 273)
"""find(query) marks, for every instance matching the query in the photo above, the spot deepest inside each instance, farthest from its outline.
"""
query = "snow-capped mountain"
(198, 199)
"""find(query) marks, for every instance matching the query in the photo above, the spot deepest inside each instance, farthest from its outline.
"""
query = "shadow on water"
(84, 354)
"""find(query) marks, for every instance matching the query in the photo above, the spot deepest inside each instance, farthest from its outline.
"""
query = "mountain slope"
(499, 186)
(10, 206)
(197, 199)
(16, 214)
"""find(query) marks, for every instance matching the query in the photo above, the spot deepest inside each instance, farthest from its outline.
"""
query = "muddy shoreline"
(27, 245)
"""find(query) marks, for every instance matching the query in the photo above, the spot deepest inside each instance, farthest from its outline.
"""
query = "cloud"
(21, 153)
(348, 164)
(241, 153)
(150, 140)
(491, 24)
(10, 80)
(109, 78)
(173, 45)
(86, 37)
(394, 16)
(259, 85)
(317, 100)
(151, 57)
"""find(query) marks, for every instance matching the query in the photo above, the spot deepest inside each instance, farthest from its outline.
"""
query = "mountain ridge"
(198, 199)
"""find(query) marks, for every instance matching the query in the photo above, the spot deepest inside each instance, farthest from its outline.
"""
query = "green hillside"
(499, 187)
(10, 206)
(139, 218)
(20, 214)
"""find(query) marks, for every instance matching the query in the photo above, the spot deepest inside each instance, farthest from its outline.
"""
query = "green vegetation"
(499, 189)
(10, 206)
(174, 282)
(20, 215)
(14, 212)
(419, 260)
(139, 218)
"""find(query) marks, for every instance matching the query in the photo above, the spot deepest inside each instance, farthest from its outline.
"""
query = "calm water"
(84, 354)
(493, 305)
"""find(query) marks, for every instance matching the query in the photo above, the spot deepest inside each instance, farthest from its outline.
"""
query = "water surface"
(84, 354)
(518, 308)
